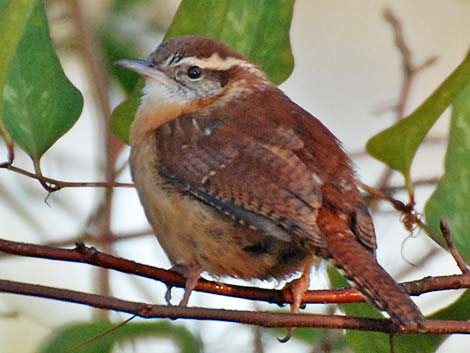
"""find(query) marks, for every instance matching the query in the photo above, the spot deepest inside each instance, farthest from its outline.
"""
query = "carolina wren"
(237, 180)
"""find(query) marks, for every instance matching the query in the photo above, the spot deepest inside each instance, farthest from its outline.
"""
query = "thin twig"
(406, 57)
(446, 233)
(424, 65)
(93, 239)
(60, 184)
(421, 182)
(409, 73)
(99, 336)
(381, 195)
(411, 218)
(410, 70)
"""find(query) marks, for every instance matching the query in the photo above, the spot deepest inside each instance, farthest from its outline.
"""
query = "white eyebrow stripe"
(216, 62)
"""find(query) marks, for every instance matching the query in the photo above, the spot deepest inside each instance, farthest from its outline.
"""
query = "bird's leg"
(191, 275)
(181, 269)
(168, 294)
(297, 287)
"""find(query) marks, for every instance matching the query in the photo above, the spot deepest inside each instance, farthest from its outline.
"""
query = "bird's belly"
(194, 234)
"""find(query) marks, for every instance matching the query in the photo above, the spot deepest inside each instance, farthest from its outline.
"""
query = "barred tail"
(361, 267)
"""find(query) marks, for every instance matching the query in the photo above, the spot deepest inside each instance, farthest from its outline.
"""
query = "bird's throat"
(150, 117)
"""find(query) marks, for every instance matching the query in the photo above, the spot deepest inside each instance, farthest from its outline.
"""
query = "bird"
(239, 181)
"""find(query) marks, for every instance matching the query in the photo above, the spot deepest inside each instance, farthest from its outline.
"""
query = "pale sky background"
(347, 68)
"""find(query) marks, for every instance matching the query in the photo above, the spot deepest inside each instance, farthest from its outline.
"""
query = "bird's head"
(186, 74)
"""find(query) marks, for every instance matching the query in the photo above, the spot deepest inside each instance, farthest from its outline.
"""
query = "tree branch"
(266, 319)
(60, 184)
(446, 233)
(83, 254)
(410, 71)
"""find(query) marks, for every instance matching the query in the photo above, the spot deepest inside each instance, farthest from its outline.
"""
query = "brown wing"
(259, 182)
(324, 156)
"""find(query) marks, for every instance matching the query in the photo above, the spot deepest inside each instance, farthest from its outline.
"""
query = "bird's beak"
(142, 67)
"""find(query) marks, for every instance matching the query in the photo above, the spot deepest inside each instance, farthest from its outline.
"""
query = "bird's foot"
(297, 288)
(192, 275)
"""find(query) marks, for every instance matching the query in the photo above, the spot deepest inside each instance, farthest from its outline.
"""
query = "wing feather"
(263, 184)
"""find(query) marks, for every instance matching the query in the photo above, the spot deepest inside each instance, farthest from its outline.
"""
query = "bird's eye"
(194, 72)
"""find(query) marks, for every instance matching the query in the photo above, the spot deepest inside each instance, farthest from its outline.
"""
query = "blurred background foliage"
(40, 105)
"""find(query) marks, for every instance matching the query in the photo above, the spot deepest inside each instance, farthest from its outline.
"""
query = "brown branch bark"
(266, 319)
(89, 255)
(60, 184)
(447, 234)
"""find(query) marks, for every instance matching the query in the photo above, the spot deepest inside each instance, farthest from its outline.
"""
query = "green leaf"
(356, 340)
(397, 145)
(317, 335)
(377, 342)
(98, 337)
(305, 334)
(40, 103)
(380, 343)
(259, 29)
(13, 17)
(361, 341)
(123, 115)
(115, 48)
(451, 197)
(458, 310)
(313, 336)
